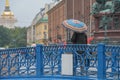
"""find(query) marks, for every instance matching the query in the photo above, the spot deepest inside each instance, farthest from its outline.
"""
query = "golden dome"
(7, 13)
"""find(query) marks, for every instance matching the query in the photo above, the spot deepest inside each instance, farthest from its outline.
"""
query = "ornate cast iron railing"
(89, 61)
(17, 62)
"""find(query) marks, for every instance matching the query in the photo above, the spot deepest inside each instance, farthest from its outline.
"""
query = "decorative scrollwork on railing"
(22, 62)
(112, 61)
(14, 62)
(52, 57)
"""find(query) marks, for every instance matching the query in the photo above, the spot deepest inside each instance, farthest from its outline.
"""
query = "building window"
(45, 35)
(45, 27)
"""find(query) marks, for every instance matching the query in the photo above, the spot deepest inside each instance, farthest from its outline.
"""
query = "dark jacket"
(79, 38)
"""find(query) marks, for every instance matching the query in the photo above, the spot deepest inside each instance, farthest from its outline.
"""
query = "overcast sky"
(24, 10)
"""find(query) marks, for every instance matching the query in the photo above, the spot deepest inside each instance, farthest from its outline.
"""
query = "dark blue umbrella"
(75, 25)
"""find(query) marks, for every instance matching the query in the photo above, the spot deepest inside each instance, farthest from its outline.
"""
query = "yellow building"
(41, 31)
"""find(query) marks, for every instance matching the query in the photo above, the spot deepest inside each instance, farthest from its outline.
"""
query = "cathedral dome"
(7, 18)
(5, 13)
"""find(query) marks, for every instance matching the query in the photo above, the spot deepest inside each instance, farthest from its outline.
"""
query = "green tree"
(18, 37)
(13, 37)
(5, 37)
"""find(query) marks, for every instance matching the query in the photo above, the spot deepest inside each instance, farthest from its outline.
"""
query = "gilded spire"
(7, 3)
(7, 6)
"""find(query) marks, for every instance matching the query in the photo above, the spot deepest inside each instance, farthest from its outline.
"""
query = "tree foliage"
(12, 37)
(4, 36)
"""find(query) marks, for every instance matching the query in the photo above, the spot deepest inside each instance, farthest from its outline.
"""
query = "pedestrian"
(80, 38)
(60, 42)
(50, 42)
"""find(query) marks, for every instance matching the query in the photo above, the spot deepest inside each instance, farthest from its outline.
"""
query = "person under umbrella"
(79, 36)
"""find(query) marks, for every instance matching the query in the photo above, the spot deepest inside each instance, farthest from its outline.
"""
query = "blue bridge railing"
(89, 62)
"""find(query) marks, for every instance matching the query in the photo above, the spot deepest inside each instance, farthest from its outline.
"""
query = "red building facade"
(69, 9)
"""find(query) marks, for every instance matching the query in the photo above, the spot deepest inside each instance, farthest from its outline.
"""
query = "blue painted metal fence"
(90, 62)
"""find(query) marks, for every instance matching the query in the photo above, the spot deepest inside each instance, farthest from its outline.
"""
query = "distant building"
(42, 31)
(7, 18)
(34, 30)
(56, 15)
(29, 36)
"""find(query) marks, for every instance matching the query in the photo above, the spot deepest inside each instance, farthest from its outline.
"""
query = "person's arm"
(85, 39)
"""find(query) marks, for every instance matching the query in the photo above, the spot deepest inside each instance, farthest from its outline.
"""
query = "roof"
(43, 20)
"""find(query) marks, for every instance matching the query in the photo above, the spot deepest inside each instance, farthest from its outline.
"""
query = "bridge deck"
(53, 78)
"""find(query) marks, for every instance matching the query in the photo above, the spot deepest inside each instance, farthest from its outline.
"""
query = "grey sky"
(24, 10)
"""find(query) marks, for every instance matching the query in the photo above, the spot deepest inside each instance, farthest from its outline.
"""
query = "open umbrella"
(75, 25)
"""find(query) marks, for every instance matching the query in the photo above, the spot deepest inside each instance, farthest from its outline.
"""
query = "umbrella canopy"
(75, 25)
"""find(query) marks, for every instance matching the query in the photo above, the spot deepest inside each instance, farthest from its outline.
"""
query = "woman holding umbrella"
(79, 36)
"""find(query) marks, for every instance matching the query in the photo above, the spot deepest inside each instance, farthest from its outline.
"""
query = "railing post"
(39, 60)
(101, 75)
(59, 57)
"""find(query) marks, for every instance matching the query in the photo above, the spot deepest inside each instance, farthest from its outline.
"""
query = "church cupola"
(7, 18)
